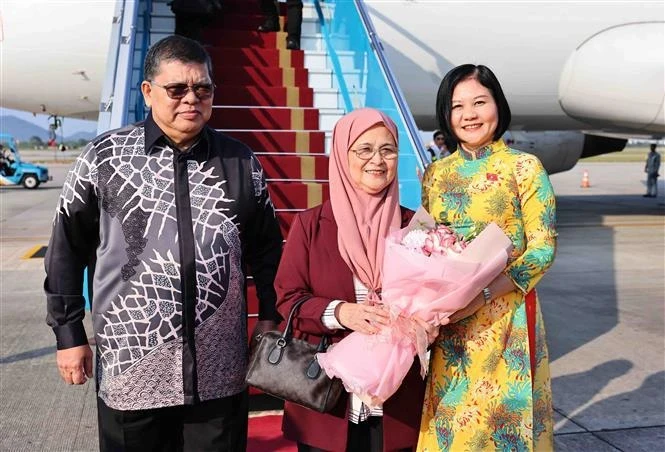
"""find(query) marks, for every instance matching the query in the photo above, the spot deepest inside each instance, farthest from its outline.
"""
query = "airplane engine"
(615, 79)
(560, 150)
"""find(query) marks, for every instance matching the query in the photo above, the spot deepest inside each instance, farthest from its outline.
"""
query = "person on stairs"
(192, 16)
(293, 20)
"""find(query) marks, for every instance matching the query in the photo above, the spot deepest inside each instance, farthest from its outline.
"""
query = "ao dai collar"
(486, 151)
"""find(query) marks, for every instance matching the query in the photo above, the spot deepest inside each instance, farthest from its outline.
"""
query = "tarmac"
(603, 302)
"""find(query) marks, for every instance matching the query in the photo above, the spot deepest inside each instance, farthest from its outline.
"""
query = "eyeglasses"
(179, 90)
(386, 152)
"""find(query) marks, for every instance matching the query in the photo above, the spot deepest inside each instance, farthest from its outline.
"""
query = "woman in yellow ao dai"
(489, 384)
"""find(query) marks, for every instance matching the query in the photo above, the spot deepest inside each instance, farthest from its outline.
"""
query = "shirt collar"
(154, 136)
(485, 151)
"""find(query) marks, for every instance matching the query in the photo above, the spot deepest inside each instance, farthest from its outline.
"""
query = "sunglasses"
(179, 90)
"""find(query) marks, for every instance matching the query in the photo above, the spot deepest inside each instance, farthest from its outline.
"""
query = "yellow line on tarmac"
(32, 252)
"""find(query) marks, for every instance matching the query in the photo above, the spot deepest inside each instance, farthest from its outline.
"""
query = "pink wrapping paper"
(431, 287)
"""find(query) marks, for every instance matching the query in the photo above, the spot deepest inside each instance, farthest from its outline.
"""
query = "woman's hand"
(362, 318)
(477, 303)
(432, 331)
(500, 286)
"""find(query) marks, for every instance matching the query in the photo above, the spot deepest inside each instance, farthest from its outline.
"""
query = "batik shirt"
(166, 235)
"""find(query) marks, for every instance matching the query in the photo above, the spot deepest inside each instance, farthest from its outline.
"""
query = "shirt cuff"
(70, 335)
(328, 318)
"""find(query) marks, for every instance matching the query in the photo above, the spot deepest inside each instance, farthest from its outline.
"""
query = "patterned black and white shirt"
(167, 235)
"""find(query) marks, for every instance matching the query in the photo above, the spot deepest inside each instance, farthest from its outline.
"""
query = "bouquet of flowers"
(429, 272)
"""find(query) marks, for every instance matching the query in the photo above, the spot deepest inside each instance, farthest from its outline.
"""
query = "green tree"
(35, 141)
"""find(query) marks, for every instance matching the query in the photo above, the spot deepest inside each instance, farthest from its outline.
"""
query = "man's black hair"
(175, 48)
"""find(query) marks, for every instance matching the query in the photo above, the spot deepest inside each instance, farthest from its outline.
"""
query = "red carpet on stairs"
(264, 100)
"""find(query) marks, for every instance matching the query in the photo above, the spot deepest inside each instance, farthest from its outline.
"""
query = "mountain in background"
(23, 130)
(81, 136)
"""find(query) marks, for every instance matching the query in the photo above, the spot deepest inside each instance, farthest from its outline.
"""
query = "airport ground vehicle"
(14, 171)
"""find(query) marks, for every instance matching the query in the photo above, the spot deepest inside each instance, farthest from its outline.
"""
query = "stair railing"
(364, 79)
(122, 102)
(139, 105)
(390, 77)
(115, 93)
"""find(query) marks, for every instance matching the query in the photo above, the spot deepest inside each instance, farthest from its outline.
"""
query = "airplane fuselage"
(527, 45)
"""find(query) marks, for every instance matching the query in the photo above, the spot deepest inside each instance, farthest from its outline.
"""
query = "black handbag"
(286, 367)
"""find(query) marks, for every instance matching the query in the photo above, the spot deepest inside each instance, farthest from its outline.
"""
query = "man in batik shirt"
(165, 213)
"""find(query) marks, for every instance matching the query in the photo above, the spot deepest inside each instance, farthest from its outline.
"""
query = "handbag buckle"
(277, 351)
(313, 370)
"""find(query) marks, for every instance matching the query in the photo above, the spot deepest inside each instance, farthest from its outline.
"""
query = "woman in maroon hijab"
(334, 253)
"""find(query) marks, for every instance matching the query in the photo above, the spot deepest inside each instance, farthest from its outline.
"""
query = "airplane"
(580, 77)
(53, 55)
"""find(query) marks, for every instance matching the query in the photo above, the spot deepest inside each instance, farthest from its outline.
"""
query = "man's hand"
(261, 327)
(363, 318)
(75, 364)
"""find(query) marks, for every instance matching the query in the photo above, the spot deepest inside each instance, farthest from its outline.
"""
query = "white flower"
(415, 240)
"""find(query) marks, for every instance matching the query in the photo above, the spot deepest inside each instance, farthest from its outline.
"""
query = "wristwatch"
(487, 295)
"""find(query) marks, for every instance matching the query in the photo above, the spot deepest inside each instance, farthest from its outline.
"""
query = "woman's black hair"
(445, 94)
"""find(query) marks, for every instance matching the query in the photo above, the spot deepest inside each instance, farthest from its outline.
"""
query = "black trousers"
(213, 425)
(293, 15)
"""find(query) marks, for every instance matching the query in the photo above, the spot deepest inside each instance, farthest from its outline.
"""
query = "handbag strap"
(287, 330)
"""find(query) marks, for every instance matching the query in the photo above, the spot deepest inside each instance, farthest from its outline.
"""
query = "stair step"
(162, 18)
(161, 8)
(242, 21)
(250, 22)
(319, 59)
(328, 98)
(257, 57)
(264, 96)
(232, 117)
(252, 7)
(328, 117)
(257, 40)
(297, 195)
(262, 76)
(245, 39)
(285, 141)
(158, 22)
(295, 167)
(248, 7)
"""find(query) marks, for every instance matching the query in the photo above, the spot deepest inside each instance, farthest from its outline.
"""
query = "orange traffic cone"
(585, 180)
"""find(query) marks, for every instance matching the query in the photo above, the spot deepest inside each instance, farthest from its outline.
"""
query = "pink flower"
(441, 240)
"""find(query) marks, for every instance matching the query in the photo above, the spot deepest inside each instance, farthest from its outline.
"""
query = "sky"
(70, 126)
